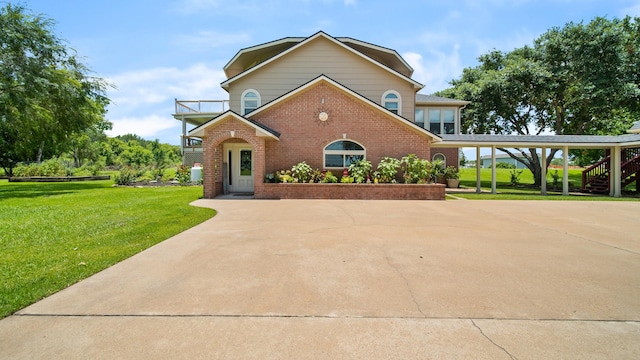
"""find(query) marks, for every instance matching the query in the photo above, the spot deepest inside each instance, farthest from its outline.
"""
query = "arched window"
(250, 101)
(392, 101)
(440, 157)
(341, 153)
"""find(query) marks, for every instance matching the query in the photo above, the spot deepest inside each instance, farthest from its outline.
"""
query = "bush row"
(409, 170)
(55, 167)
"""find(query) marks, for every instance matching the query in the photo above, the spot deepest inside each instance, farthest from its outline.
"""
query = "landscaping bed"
(58, 178)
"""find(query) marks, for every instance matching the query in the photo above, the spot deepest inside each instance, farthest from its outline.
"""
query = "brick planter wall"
(353, 191)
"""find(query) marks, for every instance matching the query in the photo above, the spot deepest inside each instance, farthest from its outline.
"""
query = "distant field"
(55, 234)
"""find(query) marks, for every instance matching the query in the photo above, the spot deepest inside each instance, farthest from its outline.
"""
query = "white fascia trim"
(416, 85)
(376, 47)
(200, 130)
(586, 145)
(261, 46)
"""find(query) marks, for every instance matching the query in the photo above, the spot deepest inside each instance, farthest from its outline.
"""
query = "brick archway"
(231, 130)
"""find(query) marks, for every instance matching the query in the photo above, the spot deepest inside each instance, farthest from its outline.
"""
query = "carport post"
(543, 172)
(615, 180)
(478, 167)
(493, 169)
(565, 170)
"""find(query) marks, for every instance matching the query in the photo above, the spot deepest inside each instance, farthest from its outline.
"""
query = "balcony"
(197, 112)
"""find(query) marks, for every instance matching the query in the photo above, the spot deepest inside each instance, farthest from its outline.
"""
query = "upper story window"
(419, 117)
(442, 121)
(392, 101)
(250, 101)
(341, 153)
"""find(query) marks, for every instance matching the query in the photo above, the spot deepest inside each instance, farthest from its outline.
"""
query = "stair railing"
(597, 170)
(630, 166)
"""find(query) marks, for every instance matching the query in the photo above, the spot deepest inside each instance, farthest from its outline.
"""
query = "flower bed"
(58, 178)
(352, 191)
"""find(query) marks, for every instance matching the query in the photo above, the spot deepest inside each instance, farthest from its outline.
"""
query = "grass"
(56, 234)
(525, 190)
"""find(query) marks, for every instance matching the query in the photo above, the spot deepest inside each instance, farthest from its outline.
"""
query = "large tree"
(46, 93)
(579, 79)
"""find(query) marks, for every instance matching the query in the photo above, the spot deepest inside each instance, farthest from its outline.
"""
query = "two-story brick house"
(322, 100)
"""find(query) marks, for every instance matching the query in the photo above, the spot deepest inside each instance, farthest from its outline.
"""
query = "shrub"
(346, 179)
(387, 170)
(515, 176)
(556, 179)
(451, 173)
(505, 165)
(360, 170)
(270, 178)
(436, 170)
(329, 178)
(316, 176)
(415, 170)
(183, 175)
(51, 167)
(284, 176)
(126, 176)
(301, 172)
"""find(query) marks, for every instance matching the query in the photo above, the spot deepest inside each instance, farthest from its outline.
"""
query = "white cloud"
(349, 2)
(153, 86)
(144, 100)
(436, 70)
(145, 126)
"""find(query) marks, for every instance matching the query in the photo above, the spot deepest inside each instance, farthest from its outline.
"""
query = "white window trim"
(456, 118)
(384, 102)
(244, 93)
(341, 152)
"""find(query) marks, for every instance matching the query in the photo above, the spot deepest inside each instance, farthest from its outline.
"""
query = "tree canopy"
(47, 95)
(575, 80)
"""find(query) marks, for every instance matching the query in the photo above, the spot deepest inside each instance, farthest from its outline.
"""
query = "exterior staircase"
(597, 177)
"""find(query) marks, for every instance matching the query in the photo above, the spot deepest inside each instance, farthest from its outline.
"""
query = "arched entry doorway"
(239, 167)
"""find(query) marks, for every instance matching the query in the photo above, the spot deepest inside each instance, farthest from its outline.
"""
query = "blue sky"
(154, 51)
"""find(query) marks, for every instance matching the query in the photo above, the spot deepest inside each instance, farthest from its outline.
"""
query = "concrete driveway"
(334, 279)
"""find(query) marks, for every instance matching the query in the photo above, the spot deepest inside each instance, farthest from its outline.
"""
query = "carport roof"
(572, 141)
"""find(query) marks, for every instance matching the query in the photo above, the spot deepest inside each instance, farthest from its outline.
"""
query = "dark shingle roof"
(422, 98)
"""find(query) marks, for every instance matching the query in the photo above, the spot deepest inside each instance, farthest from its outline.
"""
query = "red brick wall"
(450, 153)
(303, 136)
(212, 145)
(353, 191)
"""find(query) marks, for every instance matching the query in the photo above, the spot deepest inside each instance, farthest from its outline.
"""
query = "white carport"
(563, 142)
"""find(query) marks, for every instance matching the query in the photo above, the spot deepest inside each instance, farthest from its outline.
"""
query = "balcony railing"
(201, 106)
(189, 142)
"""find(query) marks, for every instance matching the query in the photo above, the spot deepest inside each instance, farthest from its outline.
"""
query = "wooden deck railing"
(600, 172)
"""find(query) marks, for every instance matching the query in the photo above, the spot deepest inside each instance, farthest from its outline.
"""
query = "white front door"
(240, 168)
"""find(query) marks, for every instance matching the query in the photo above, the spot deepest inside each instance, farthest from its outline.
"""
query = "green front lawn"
(503, 177)
(56, 234)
